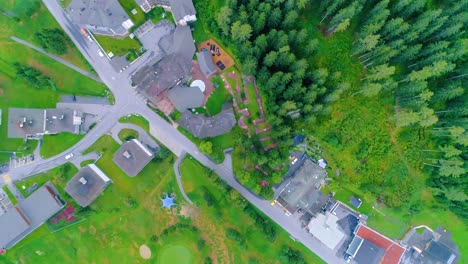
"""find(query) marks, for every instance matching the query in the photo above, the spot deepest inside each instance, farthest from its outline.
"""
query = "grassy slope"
(195, 182)
(120, 47)
(219, 96)
(55, 144)
(136, 120)
(12, 198)
(13, 91)
(359, 121)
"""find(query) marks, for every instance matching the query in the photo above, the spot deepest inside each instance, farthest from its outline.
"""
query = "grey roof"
(206, 63)
(87, 184)
(348, 224)
(99, 14)
(301, 192)
(25, 121)
(183, 97)
(182, 8)
(29, 214)
(369, 253)
(150, 35)
(440, 252)
(12, 224)
(132, 157)
(180, 42)
(168, 202)
(62, 120)
(356, 202)
(202, 126)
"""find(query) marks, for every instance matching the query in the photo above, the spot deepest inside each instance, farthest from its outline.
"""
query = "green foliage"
(53, 40)
(206, 147)
(289, 255)
(32, 76)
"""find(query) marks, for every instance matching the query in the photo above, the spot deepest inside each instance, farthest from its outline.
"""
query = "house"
(29, 214)
(170, 69)
(206, 63)
(426, 246)
(87, 185)
(103, 17)
(184, 98)
(132, 157)
(370, 247)
(202, 126)
(183, 11)
(326, 229)
(30, 122)
(301, 190)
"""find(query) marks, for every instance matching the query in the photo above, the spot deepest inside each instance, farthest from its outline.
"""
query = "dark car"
(220, 65)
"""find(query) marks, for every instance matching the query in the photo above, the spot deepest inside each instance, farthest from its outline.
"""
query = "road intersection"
(128, 102)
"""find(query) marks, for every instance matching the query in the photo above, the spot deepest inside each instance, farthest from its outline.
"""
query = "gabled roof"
(180, 41)
(393, 251)
(325, 228)
(100, 13)
(440, 252)
(206, 63)
(87, 185)
(182, 8)
(369, 253)
(132, 157)
(184, 98)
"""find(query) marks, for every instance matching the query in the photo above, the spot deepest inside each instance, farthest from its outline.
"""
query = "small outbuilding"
(354, 201)
(132, 157)
(87, 185)
(206, 63)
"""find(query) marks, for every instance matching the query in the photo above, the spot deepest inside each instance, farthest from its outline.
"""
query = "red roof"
(393, 251)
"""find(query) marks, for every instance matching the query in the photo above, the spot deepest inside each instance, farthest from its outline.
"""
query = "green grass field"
(120, 47)
(128, 6)
(55, 144)
(127, 134)
(226, 213)
(136, 120)
(219, 96)
(15, 92)
(10, 195)
(175, 253)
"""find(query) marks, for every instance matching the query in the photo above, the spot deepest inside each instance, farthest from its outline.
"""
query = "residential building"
(103, 17)
(147, 5)
(87, 185)
(184, 98)
(170, 69)
(202, 126)
(301, 190)
(206, 63)
(30, 122)
(183, 11)
(370, 247)
(426, 246)
(29, 214)
(132, 157)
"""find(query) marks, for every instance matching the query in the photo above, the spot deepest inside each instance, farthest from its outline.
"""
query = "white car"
(90, 39)
(294, 161)
(69, 156)
(100, 53)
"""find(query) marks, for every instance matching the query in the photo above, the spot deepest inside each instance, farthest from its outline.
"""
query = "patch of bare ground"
(213, 237)
(189, 211)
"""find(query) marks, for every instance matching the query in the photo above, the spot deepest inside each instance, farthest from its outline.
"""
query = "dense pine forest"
(409, 55)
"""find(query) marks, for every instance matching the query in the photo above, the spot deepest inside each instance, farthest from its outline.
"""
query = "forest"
(411, 51)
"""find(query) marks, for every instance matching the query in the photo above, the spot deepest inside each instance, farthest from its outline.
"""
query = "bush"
(289, 255)
(53, 40)
(32, 76)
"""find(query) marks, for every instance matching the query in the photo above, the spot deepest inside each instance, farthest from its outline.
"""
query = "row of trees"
(32, 76)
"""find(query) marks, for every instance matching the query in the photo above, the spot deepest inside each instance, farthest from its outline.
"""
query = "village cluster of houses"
(343, 229)
(18, 221)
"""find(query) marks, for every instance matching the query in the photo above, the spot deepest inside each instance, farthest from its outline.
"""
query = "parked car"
(100, 53)
(294, 161)
(69, 156)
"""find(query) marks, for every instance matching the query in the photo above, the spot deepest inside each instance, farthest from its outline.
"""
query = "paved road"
(127, 102)
(178, 178)
(58, 59)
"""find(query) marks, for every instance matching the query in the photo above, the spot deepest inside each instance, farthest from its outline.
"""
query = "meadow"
(28, 18)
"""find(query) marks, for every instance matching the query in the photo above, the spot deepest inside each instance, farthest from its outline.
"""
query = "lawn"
(10, 195)
(223, 210)
(219, 96)
(158, 13)
(120, 47)
(128, 6)
(136, 120)
(128, 134)
(55, 144)
(13, 89)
